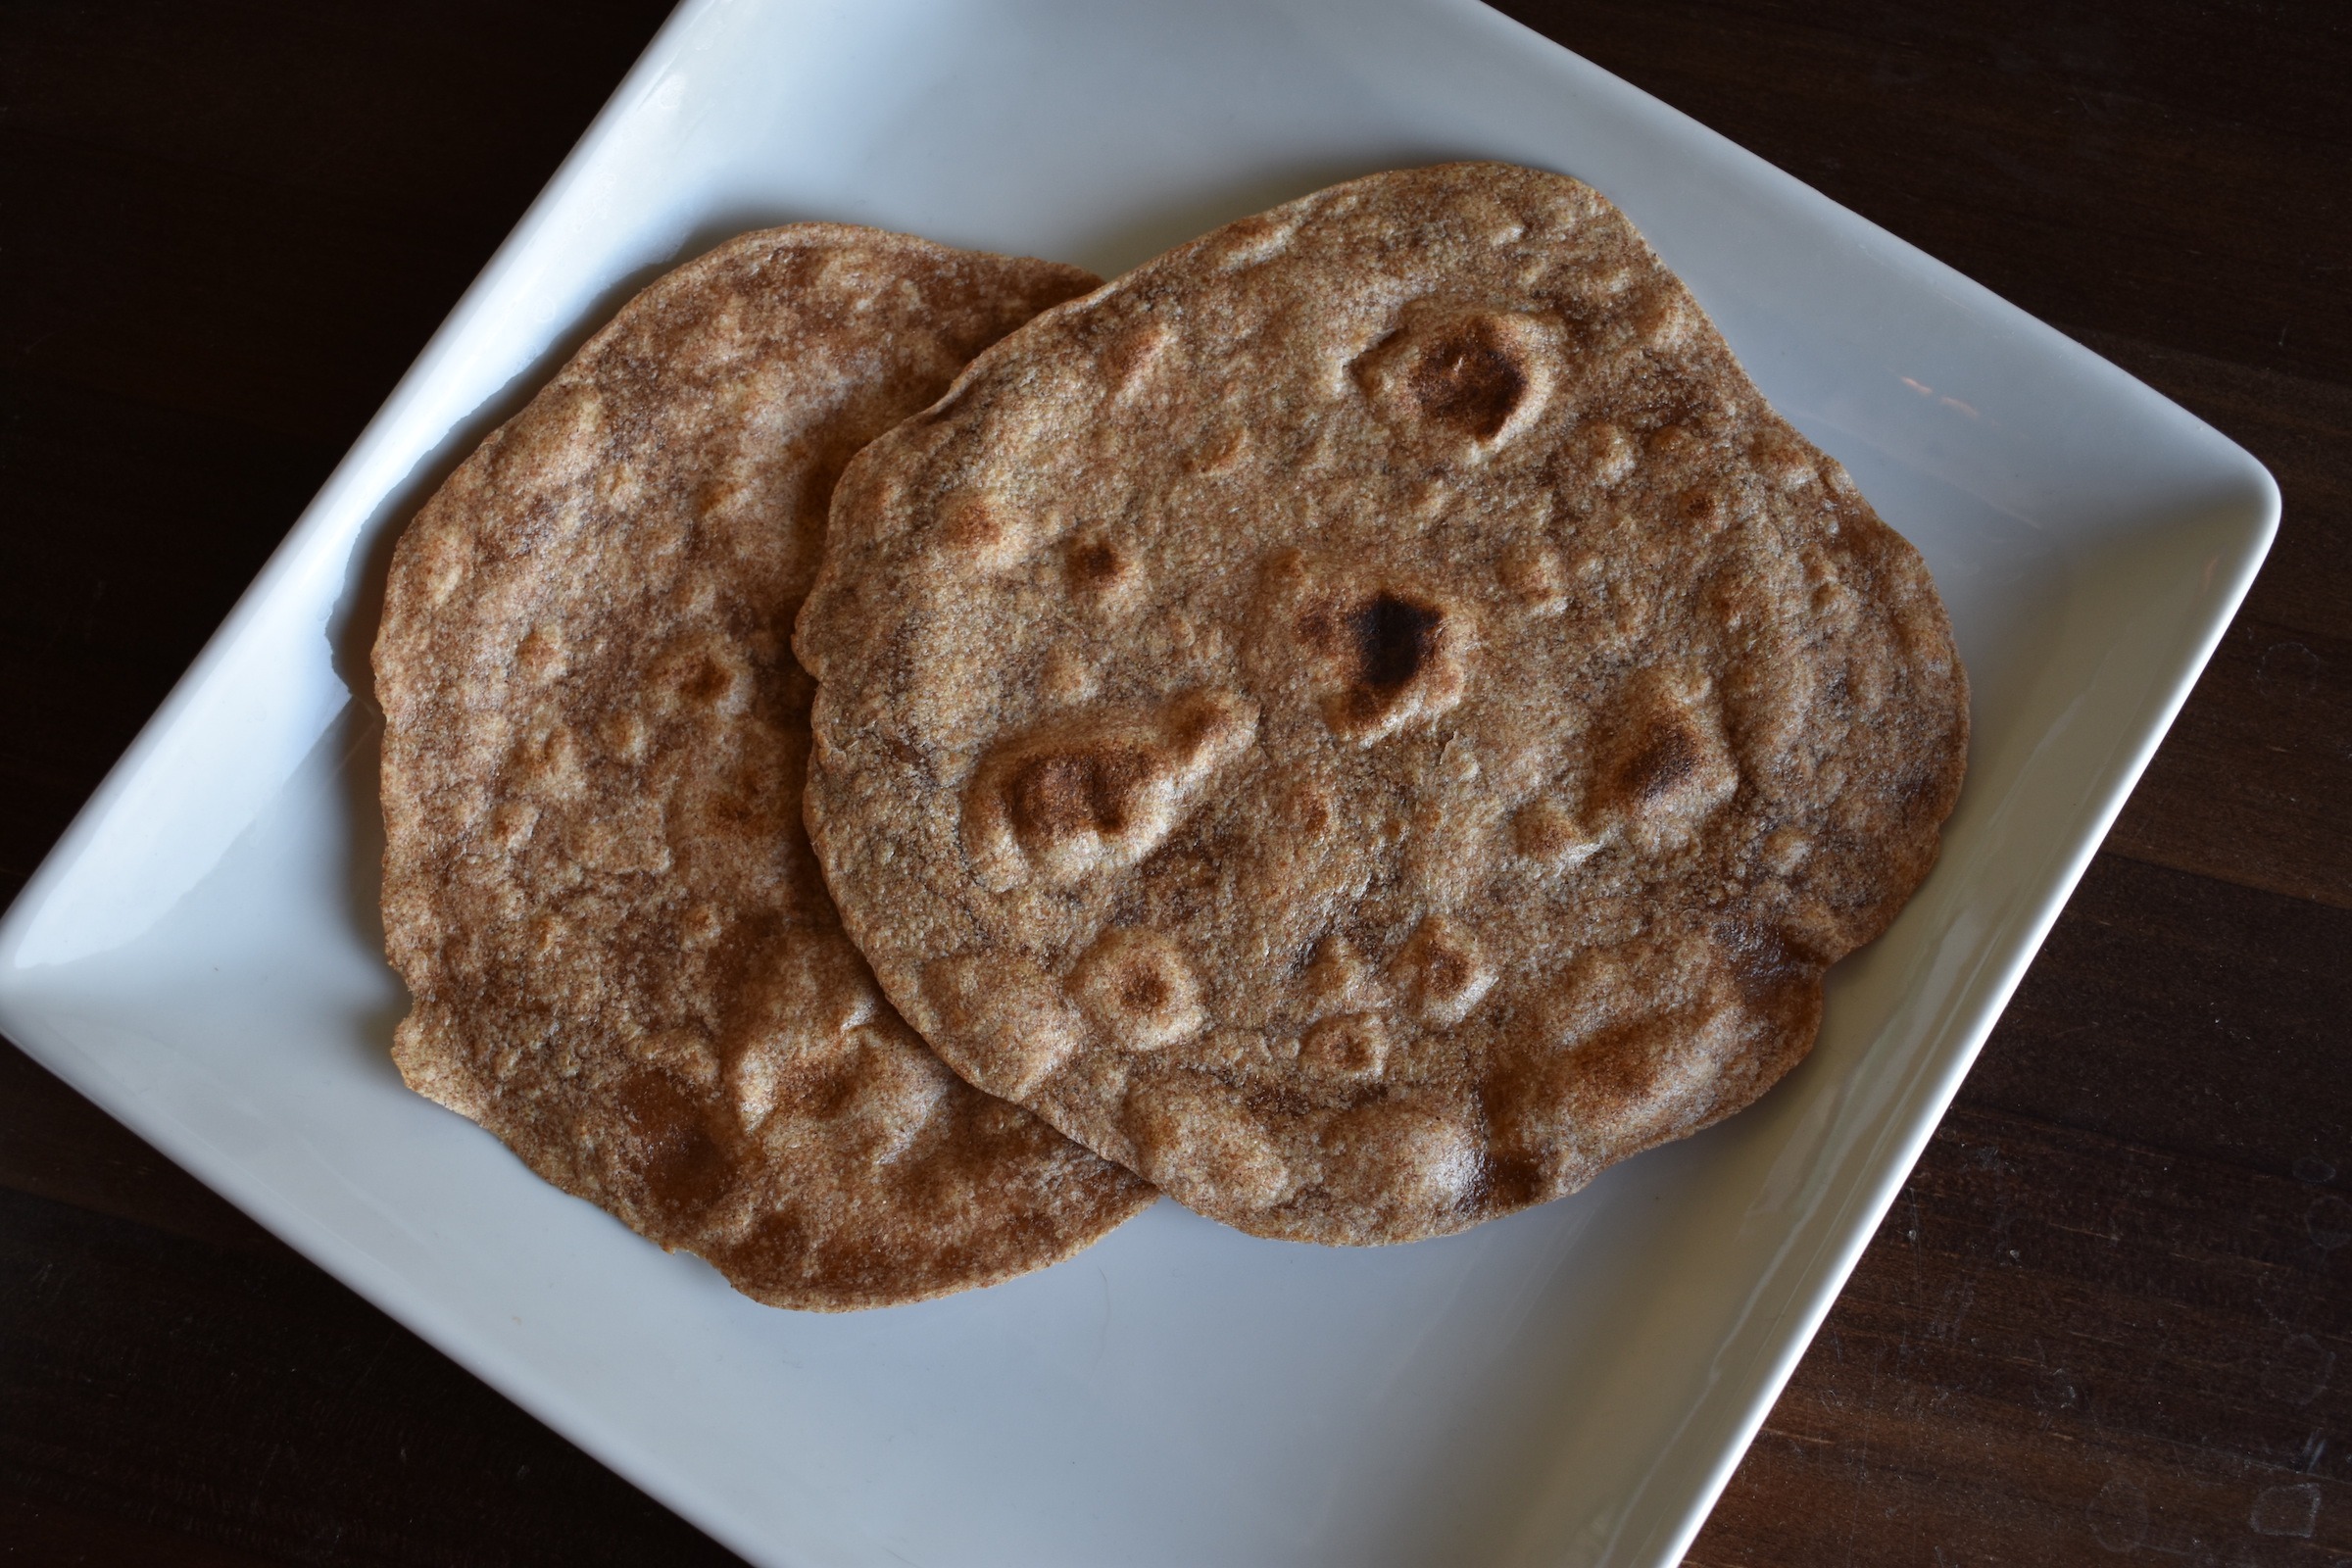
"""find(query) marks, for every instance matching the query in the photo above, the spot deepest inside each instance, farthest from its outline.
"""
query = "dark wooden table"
(2110, 1314)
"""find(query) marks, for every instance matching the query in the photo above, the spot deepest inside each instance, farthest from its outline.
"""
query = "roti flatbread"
(1370, 717)
(623, 960)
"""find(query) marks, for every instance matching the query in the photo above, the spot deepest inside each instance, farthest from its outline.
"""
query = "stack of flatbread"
(898, 756)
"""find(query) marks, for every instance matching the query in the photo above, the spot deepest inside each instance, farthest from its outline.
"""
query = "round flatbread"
(1369, 717)
(624, 959)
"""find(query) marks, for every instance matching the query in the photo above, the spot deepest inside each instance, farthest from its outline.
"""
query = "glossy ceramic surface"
(1573, 1385)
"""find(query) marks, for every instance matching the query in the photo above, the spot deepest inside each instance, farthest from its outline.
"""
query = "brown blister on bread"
(1373, 657)
(1594, 713)
(1662, 767)
(622, 956)
(1462, 383)
(1094, 794)
(1441, 972)
(1138, 987)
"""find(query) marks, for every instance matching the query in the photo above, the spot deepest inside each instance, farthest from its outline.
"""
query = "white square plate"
(1573, 1385)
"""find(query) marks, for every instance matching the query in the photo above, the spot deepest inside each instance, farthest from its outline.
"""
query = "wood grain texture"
(2169, 170)
(2063, 1347)
(2110, 1306)
(252, 1403)
(2109, 1317)
(2253, 782)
